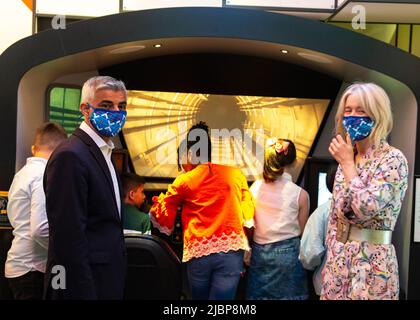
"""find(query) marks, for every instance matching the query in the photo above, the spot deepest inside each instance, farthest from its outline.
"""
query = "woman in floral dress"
(369, 189)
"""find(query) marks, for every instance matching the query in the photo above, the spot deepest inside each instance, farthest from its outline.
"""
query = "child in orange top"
(216, 205)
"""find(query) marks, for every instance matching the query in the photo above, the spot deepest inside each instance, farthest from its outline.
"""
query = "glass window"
(380, 31)
(415, 40)
(404, 37)
(64, 105)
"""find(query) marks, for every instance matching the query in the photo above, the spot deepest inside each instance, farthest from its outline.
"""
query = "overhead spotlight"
(284, 51)
(157, 45)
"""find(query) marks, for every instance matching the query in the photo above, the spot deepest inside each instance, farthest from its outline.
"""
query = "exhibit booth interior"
(256, 74)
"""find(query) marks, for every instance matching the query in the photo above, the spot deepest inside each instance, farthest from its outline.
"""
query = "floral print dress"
(371, 200)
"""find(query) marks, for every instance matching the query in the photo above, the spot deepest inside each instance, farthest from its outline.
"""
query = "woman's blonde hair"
(275, 161)
(375, 103)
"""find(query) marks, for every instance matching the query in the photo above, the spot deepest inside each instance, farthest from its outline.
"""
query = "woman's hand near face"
(342, 151)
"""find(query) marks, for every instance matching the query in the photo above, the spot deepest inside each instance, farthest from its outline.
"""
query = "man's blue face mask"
(358, 128)
(108, 123)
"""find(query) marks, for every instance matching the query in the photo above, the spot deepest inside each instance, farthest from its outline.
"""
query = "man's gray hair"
(100, 83)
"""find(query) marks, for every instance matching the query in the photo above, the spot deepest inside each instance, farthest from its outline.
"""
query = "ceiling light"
(284, 51)
(314, 57)
(157, 45)
(127, 49)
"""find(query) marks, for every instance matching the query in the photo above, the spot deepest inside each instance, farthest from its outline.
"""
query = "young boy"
(133, 218)
(27, 257)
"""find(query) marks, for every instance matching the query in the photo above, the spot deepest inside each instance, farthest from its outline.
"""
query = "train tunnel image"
(255, 74)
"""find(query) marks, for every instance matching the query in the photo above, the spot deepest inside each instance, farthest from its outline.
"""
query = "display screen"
(323, 193)
(240, 126)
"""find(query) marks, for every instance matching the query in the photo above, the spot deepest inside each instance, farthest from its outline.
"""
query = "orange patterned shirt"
(216, 206)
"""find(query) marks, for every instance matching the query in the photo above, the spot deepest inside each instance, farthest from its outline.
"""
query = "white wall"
(78, 8)
(313, 4)
(405, 108)
(129, 5)
(30, 114)
(96, 8)
(15, 22)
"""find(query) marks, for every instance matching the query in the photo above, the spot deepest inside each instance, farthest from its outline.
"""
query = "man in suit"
(86, 258)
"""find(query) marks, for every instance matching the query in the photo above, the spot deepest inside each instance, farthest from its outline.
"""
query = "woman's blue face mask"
(108, 123)
(358, 128)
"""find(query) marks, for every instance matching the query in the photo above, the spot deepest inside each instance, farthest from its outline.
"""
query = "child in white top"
(281, 211)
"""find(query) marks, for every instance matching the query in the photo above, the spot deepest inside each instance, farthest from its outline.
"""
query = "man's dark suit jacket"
(85, 229)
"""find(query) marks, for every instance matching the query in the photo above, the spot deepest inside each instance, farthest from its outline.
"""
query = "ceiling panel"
(382, 12)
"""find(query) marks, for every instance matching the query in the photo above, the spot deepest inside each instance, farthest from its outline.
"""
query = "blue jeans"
(276, 273)
(216, 276)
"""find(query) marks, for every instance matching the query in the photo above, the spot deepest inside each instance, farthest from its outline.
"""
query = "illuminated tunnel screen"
(158, 121)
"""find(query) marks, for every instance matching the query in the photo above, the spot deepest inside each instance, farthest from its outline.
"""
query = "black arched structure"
(29, 66)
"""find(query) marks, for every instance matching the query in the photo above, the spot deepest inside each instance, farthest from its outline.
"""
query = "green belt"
(370, 235)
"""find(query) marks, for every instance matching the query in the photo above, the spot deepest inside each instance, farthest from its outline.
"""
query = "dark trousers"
(27, 287)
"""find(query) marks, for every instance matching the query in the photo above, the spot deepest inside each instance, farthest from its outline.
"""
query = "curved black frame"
(198, 22)
(189, 22)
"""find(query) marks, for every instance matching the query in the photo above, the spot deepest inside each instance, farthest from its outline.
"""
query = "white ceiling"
(304, 4)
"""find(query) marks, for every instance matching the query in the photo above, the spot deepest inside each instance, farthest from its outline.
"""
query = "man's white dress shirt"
(106, 149)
